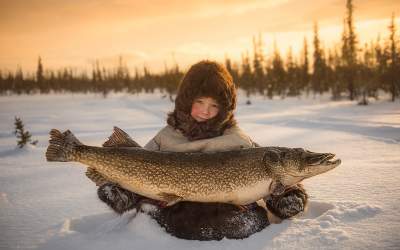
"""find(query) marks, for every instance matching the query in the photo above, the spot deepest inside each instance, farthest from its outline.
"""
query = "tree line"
(348, 70)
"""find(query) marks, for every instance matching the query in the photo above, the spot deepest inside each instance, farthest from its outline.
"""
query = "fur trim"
(211, 221)
(204, 79)
(118, 198)
(292, 202)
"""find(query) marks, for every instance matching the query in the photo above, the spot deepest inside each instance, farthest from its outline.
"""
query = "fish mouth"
(319, 163)
(315, 164)
(324, 159)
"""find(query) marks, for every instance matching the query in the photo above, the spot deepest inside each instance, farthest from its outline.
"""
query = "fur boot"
(211, 221)
(292, 202)
(118, 199)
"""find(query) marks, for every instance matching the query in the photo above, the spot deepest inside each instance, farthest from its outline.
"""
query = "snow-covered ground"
(54, 206)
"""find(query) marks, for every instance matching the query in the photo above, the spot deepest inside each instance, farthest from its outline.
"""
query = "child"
(203, 118)
(203, 121)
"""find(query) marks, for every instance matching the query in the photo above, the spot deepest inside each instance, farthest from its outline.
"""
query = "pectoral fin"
(171, 199)
(120, 139)
(95, 176)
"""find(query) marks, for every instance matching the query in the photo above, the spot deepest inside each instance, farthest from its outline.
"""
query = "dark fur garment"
(211, 221)
(208, 221)
(191, 220)
(118, 198)
(292, 202)
(204, 79)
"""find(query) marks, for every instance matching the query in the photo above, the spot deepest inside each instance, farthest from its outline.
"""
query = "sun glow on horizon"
(179, 34)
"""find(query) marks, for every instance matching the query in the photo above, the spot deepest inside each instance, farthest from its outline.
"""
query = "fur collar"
(194, 130)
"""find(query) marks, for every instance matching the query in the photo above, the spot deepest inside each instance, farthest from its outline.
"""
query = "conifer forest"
(347, 70)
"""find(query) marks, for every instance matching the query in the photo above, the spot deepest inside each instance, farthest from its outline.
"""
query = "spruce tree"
(39, 71)
(394, 65)
(278, 73)
(258, 61)
(349, 51)
(246, 74)
(367, 74)
(232, 69)
(23, 137)
(291, 75)
(304, 76)
(335, 74)
(318, 77)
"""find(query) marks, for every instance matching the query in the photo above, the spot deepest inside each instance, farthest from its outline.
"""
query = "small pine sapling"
(23, 137)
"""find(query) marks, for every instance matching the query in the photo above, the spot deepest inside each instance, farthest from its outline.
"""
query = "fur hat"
(204, 79)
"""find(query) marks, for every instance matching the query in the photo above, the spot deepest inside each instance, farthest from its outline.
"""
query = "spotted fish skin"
(236, 177)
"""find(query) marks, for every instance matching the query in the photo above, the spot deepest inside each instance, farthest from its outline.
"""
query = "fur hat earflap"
(204, 79)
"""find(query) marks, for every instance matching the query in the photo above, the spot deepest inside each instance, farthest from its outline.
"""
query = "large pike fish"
(237, 177)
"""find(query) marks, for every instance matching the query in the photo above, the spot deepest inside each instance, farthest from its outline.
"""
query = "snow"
(54, 206)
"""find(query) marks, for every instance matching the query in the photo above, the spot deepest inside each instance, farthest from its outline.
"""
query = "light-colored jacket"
(170, 139)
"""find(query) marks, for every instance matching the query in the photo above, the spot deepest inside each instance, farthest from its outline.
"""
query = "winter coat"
(170, 139)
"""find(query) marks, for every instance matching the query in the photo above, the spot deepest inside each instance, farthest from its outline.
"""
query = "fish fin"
(119, 138)
(95, 176)
(171, 199)
(61, 145)
(277, 188)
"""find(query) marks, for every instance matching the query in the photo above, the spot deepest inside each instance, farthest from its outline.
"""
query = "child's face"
(204, 108)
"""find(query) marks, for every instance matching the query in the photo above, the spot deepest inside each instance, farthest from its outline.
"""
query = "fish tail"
(61, 146)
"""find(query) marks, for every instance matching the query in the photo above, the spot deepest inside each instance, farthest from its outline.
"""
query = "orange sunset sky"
(74, 33)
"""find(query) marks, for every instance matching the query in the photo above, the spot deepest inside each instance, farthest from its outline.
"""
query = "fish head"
(292, 165)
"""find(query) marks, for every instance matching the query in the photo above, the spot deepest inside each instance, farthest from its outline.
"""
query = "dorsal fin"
(120, 139)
